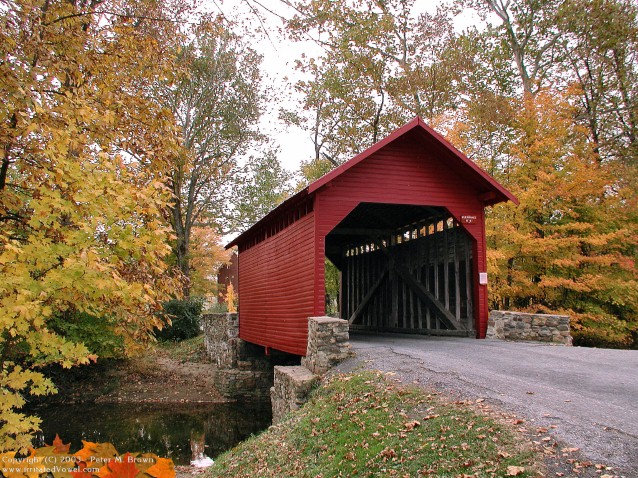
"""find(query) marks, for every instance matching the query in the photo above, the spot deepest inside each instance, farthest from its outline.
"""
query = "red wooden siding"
(400, 173)
(276, 288)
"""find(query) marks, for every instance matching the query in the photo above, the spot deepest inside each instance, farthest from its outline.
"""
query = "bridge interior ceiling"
(404, 269)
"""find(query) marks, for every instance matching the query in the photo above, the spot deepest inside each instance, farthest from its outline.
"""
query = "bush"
(96, 333)
(604, 331)
(185, 316)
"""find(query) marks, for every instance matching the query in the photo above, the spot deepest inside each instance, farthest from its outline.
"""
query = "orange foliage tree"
(207, 255)
(571, 243)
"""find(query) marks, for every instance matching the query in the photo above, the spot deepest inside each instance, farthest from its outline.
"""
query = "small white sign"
(483, 278)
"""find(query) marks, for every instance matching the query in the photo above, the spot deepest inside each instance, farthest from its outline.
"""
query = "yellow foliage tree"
(84, 154)
(571, 243)
(231, 299)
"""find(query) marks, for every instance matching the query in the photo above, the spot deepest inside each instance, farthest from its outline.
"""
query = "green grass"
(189, 350)
(363, 425)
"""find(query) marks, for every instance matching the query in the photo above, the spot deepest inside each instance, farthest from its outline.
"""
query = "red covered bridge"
(403, 222)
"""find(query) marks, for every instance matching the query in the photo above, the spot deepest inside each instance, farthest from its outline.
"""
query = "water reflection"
(184, 433)
(198, 450)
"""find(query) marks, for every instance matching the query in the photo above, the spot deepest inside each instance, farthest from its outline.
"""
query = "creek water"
(182, 432)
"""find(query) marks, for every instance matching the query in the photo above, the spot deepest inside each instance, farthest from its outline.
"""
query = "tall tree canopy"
(85, 154)
(570, 244)
(381, 66)
(543, 97)
(217, 104)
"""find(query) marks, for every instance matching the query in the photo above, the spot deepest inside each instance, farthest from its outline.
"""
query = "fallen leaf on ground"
(515, 470)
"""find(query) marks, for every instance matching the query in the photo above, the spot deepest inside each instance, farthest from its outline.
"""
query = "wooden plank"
(366, 299)
(468, 283)
(357, 278)
(369, 281)
(419, 307)
(445, 316)
(413, 255)
(412, 308)
(374, 305)
(404, 304)
(446, 269)
(394, 296)
(439, 332)
(342, 286)
(428, 315)
(350, 300)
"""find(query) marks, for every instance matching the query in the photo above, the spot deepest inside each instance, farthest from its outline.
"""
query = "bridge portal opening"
(404, 268)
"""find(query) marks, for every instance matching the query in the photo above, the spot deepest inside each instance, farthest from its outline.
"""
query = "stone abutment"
(509, 325)
(244, 372)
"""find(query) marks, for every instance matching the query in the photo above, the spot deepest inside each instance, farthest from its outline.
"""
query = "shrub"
(604, 331)
(96, 333)
(184, 316)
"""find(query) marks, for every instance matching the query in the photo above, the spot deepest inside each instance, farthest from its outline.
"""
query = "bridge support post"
(327, 346)
(243, 371)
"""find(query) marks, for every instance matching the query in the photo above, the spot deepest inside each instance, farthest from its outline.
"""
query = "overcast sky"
(278, 64)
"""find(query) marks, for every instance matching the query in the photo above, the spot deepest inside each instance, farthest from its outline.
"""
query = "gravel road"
(589, 395)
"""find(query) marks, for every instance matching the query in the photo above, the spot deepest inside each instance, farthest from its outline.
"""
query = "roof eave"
(274, 212)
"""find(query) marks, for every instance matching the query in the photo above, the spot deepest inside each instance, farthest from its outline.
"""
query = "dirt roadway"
(587, 398)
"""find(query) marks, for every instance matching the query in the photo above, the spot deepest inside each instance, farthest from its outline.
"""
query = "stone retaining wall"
(243, 371)
(290, 390)
(221, 337)
(509, 325)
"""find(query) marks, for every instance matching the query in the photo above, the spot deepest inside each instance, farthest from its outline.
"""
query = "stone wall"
(243, 371)
(290, 390)
(221, 337)
(327, 344)
(509, 325)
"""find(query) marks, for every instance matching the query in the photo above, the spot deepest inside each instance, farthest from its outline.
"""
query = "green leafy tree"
(381, 65)
(530, 37)
(84, 156)
(217, 104)
(261, 186)
(601, 59)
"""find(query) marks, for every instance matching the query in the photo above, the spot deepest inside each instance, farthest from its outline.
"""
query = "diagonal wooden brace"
(425, 295)
(367, 297)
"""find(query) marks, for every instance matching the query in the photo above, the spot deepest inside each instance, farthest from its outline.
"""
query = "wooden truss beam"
(425, 295)
(367, 297)
(358, 231)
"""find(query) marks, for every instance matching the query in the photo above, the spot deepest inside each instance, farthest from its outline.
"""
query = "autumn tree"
(207, 255)
(570, 245)
(217, 104)
(381, 65)
(85, 154)
(574, 44)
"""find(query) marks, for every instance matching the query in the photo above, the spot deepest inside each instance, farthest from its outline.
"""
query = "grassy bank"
(364, 425)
